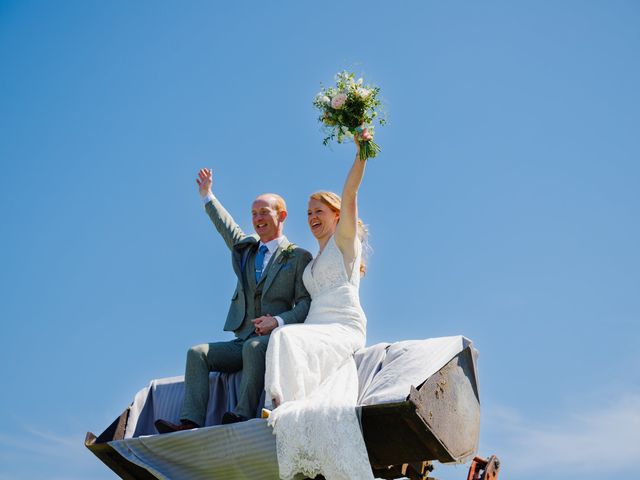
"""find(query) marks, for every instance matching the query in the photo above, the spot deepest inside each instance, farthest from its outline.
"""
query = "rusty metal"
(484, 468)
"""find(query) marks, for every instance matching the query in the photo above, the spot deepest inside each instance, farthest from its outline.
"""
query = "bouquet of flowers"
(348, 109)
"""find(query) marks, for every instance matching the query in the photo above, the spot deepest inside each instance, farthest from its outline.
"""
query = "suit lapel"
(274, 265)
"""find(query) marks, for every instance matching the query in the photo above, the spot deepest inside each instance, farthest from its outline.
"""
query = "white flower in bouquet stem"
(363, 92)
(337, 102)
(323, 99)
(346, 132)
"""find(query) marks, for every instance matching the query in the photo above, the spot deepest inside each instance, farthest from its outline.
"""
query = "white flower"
(346, 132)
(359, 82)
(337, 102)
(363, 92)
(322, 99)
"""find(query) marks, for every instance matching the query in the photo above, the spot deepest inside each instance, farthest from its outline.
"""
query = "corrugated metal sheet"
(242, 450)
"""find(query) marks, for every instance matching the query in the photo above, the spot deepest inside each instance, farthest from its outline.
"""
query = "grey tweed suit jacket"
(283, 292)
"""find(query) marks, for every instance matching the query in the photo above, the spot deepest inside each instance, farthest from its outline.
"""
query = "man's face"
(267, 221)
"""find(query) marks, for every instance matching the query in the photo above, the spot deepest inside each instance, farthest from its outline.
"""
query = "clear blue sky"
(504, 205)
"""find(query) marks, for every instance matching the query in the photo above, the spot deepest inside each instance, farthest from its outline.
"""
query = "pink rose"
(338, 101)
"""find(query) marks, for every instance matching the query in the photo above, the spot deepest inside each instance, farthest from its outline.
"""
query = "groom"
(269, 293)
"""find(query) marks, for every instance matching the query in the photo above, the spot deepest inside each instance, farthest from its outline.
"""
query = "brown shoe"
(163, 426)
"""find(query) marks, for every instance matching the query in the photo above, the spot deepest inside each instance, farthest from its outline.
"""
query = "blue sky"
(504, 205)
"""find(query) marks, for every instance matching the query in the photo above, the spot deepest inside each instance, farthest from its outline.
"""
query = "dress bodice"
(334, 292)
(327, 271)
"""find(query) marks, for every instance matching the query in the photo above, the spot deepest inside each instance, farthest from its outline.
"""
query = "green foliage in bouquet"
(349, 108)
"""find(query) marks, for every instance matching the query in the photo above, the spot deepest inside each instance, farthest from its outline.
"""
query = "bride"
(311, 375)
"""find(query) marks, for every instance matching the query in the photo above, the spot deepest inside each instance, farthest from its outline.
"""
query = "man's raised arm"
(224, 223)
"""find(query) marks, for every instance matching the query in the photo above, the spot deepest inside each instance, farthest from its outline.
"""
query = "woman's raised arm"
(347, 229)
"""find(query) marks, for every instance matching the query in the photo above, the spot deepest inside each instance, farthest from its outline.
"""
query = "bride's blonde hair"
(334, 202)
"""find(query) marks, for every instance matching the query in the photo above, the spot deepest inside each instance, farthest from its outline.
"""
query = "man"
(269, 293)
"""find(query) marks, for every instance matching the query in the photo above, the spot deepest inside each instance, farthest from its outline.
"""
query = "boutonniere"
(287, 253)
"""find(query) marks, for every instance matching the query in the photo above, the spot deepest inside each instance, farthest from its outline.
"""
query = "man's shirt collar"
(272, 245)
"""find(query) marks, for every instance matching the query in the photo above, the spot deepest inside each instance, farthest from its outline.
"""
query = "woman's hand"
(363, 136)
(366, 135)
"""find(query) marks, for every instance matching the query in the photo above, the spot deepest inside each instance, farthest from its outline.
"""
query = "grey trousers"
(246, 355)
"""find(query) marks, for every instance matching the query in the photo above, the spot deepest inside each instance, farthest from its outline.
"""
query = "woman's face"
(322, 220)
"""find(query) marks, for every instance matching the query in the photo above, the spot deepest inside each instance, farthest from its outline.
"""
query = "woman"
(310, 373)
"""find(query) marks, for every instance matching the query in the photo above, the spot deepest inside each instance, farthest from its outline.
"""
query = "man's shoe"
(230, 417)
(163, 426)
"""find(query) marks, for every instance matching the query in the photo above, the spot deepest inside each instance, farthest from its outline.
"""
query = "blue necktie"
(260, 261)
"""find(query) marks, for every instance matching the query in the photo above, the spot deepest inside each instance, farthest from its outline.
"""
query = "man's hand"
(265, 324)
(204, 181)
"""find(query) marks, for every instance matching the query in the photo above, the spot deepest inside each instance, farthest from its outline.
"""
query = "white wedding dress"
(310, 370)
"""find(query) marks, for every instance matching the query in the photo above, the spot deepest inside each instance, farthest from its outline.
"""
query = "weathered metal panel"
(449, 404)
(439, 421)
